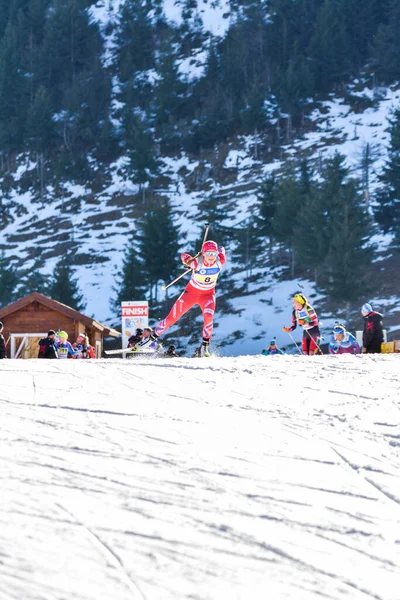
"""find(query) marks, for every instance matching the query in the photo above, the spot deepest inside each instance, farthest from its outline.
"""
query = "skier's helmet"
(272, 343)
(339, 330)
(299, 297)
(139, 331)
(209, 247)
(63, 335)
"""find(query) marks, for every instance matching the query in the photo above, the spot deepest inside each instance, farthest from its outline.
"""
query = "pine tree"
(364, 18)
(288, 204)
(386, 48)
(169, 98)
(78, 85)
(63, 287)
(9, 280)
(387, 210)
(264, 212)
(138, 141)
(134, 38)
(131, 280)
(331, 53)
(159, 243)
(310, 235)
(349, 252)
(34, 281)
(13, 92)
(40, 129)
(348, 229)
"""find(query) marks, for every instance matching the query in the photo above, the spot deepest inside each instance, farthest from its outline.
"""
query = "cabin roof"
(60, 308)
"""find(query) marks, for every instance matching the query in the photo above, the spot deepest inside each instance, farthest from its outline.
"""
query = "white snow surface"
(241, 478)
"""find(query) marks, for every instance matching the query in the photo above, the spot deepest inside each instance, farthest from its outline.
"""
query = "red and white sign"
(134, 314)
(135, 310)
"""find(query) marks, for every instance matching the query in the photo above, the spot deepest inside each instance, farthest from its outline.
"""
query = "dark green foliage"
(9, 279)
(34, 281)
(159, 243)
(387, 211)
(134, 38)
(14, 90)
(386, 48)
(348, 229)
(139, 146)
(131, 280)
(63, 287)
(219, 212)
(331, 43)
(265, 207)
(40, 128)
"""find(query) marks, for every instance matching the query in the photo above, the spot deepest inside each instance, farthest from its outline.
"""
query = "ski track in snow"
(240, 478)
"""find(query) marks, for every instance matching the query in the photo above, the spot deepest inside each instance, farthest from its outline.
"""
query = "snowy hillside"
(204, 479)
(98, 216)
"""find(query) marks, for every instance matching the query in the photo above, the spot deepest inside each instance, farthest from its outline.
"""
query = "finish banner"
(134, 314)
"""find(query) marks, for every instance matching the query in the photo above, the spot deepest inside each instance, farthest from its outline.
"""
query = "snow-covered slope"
(240, 478)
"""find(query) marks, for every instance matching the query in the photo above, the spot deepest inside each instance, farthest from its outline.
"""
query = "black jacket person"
(48, 346)
(373, 330)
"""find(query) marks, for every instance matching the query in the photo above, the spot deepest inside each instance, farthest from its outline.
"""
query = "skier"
(147, 332)
(373, 330)
(64, 348)
(200, 290)
(135, 338)
(48, 346)
(272, 349)
(304, 315)
(2, 342)
(343, 342)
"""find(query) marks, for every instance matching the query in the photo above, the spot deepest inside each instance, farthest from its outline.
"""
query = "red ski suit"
(200, 290)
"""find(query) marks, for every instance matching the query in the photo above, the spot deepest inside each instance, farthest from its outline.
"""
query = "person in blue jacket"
(64, 348)
(343, 342)
(272, 349)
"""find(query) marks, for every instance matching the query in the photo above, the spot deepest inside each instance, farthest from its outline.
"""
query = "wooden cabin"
(29, 319)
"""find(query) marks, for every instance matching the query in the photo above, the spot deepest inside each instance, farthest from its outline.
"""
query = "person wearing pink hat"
(200, 290)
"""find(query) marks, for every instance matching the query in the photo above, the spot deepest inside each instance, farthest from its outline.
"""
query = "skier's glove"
(221, 250)
(186, 258)
(286, 329)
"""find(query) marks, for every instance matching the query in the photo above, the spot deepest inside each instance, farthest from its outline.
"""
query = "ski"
(130, 351)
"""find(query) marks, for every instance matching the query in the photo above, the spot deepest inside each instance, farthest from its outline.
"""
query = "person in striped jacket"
(304, 315)
(199, 290)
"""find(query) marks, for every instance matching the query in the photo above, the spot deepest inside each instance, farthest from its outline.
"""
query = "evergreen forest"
(82, 99)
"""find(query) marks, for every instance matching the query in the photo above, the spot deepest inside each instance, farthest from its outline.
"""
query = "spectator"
(48, 346)
(373, 330)
(82, 347)
(64, 348)
(343, 342)
(171, 352)
(2, 342)
(147, 332)
(136, 338)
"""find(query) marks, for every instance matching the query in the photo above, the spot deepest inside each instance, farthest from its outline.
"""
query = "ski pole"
(293, 340)
(312, 339)
(164, 287)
